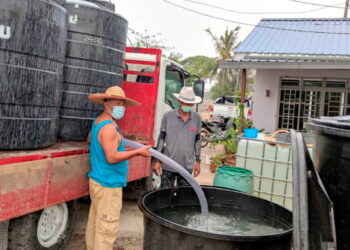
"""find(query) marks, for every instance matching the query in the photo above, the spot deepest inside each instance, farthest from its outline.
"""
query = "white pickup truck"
(227, 107)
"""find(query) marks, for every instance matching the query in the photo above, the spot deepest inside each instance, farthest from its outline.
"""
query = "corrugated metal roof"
(318, 36)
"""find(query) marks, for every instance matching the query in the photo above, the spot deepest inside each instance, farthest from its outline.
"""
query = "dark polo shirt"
(180, 138)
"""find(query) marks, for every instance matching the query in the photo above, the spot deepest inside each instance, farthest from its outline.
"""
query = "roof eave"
(283, 65)
(290, 56)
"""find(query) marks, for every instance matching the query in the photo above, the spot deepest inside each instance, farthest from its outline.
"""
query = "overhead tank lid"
(93, 5)
(84, 3)
(338, 125)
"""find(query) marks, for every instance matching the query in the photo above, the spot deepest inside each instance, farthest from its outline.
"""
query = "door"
(141, 80)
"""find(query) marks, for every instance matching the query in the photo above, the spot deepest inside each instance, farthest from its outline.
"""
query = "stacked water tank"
(104, 3)
(32, 53)
(95, 49)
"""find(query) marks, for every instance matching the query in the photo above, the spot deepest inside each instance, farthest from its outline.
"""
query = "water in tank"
(94, 61)
(32, 53)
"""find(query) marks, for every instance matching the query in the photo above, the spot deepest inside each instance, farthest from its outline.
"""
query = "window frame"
(182, 78)
(323, 90)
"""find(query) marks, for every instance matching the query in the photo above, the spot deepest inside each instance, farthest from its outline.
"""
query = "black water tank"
(162, 234)
(106, 3)
(32, 53)
(332, 160)
(94, 62)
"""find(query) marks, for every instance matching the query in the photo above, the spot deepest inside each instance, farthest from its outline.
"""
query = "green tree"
(224, 46)
(176, 57)
(146, 39)
(201, 66)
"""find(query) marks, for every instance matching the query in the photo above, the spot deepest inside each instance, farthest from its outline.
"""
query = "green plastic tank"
(234, 178)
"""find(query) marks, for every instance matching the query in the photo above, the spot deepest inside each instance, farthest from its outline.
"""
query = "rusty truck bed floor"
(58, 147)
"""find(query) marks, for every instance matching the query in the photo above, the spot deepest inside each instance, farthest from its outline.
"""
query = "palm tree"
(224, 46)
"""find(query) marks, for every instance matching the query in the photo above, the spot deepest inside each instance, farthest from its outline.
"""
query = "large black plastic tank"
(313, 210)
(332, 160)
(32, 53)
(95, 50)
(163, 234)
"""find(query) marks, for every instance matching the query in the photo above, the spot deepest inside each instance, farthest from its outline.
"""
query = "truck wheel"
(204, 135)
(50, 228)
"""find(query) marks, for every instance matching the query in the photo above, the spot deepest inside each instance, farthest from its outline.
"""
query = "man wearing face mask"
(109, 168)
(180, 139)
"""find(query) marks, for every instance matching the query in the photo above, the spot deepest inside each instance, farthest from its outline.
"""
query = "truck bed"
(58, 147)
(31, 180)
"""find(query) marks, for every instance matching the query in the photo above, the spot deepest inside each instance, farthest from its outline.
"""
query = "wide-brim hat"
(112, 93)
(187, 95)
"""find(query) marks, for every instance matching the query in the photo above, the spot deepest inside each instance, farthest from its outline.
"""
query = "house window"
(302, 99)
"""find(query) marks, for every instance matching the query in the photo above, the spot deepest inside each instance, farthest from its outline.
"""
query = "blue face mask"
(186, 109)
(118, 112)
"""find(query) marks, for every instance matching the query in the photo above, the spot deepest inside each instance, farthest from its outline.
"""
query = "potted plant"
(230, 146)
(217, 160)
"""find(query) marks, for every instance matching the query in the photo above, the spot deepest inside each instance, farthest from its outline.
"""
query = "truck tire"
(50, 228)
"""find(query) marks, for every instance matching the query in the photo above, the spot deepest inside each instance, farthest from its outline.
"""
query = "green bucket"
(234, 178)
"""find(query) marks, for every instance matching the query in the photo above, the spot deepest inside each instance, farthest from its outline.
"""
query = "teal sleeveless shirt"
(104, 173)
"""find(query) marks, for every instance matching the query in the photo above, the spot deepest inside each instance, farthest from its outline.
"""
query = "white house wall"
(265, 108)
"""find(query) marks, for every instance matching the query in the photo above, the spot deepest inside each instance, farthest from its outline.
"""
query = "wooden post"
(243, 87)
(346, 9)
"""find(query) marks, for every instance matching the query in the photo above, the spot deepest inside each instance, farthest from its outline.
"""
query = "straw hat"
(187, 95)
(112, 93)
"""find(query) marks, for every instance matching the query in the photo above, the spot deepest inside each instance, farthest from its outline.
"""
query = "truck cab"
(151, 79)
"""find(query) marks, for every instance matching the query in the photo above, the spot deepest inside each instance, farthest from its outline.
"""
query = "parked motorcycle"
(216, 130)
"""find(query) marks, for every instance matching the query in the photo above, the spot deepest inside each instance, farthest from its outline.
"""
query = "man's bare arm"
(89, 138)
(110, 141)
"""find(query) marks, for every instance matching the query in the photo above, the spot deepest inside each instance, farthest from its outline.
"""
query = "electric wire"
(318, 4)
(252, 12)
(253, 25)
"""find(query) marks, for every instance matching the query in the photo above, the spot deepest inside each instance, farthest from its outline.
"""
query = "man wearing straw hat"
(109, 168)
(180, 139)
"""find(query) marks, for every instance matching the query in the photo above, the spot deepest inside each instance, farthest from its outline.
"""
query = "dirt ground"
(130, 235)
(130, 232)
(131, 224)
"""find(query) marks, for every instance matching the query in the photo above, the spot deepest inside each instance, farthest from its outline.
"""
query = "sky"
(184, 30)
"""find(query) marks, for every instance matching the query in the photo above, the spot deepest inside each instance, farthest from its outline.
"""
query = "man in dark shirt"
(180, 139)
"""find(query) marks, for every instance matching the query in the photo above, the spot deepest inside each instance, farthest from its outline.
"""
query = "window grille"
(302, 99)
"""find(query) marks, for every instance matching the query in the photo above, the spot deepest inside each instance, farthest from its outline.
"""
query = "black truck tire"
(23, 231)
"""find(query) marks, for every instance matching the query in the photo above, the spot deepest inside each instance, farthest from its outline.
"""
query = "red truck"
(39, 189)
